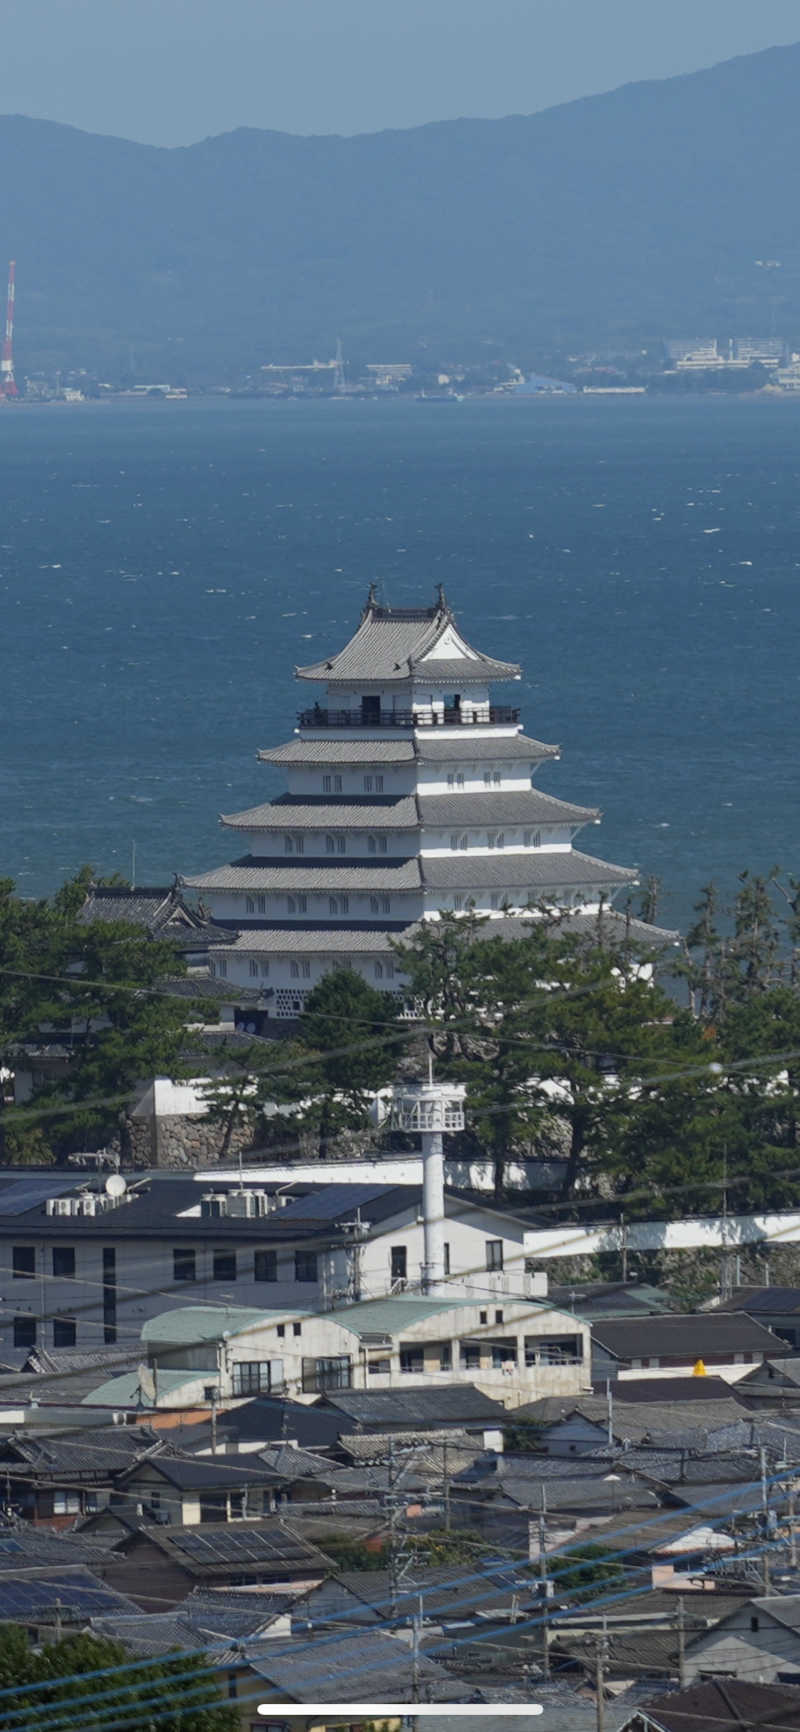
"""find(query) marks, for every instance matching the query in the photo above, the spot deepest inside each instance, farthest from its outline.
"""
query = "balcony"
(424, 717)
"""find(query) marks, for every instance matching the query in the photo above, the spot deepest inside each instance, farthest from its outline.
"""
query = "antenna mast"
(8, 384)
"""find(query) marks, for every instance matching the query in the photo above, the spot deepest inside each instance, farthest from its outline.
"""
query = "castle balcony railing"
(419, 718)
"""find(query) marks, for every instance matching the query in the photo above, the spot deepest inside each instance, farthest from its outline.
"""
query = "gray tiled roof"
(470, 746)
(692, 1336)
(251, 874)
(328, 941)
(364, 751)
(523, 806)
(291, 813)
(542, 870)
(390, 643)
(323, 1670)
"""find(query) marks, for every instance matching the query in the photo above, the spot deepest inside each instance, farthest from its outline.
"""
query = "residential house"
(730, 1343)
(224, 1554)
(729, 1705)
(54, 1481)
(758, 1640)
(778, 1308)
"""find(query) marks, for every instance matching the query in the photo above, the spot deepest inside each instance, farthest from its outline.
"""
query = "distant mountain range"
(617, 219)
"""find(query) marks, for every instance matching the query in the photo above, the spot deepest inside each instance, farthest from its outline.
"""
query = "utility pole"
(392, 1532)
(610, 1407)
(446, 1487)
(792, 1530)
(543, 1581)
(765, 1518)
(681, 1643)
(416, 1633)
(600, 1660)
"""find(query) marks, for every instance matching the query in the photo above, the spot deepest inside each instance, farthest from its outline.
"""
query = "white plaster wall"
(554, 839)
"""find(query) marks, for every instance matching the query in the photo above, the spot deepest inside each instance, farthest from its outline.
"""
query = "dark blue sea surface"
(164, 566)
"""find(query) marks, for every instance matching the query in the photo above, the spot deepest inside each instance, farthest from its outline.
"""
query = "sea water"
(164, 566)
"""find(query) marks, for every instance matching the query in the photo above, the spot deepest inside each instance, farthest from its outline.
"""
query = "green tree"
(585, 1570)
(181, 1695)
(356, 1036)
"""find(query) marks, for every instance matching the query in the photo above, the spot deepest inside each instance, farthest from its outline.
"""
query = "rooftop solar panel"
(331, 1201)
(21, 1195)
(76, 1591)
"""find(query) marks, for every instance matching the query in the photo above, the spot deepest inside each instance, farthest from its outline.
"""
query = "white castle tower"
(410, 792)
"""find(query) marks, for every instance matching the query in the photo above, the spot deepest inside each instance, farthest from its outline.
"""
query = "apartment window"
(483, 1316)
(470, 1355)
(305, 1265)
(254, 969)
(184, 1265)
(265, 1266)
(446, 1356)
(498, 1316)
(297, 1328)
(321, 1374)
(330, 845)
(23, 1262)
(64, 1261)
(224, 1266)
(412, 1360)
(494, 1253)
(379, 1367)
(264, 970)
(261, 904)
(66, 1503)
(399, 1262)
(503, 1353)
(249, 905)
(251, 1376)
(24, 1331)
(446, 1250)
(64, 1332)
(281, 1331)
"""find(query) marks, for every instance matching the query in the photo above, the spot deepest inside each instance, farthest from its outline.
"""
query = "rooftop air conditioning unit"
(249, 1204)
(214, 1203)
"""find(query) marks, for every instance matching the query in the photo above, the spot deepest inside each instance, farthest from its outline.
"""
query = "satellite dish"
(116, 1186)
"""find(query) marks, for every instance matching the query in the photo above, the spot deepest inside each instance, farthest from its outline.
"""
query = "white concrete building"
(410, 793)
(515, 1351)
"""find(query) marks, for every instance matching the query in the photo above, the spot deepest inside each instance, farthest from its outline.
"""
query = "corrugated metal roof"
(125, 1391)
(195, 1323)
(392, 1316)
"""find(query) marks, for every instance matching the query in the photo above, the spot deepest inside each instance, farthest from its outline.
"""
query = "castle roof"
(405, 812)
(393, 644)
(468, 747)
(539, 871)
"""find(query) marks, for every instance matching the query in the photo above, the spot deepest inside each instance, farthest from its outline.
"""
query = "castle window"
(372, 845)
(249, 904)
(451, 780)
(261, 904)
(254, 969)
(294, 970)
(341, 844)
(487, 778)
(385, 905)
(378, 971)
(453, 842)
(381, 844)
(297, 904)
(532, 838)
(459, 779)
(306, 970)
(337, 784)
(330, 845)
(327, 784)
(389, 970)
(374, 905)
(367, 784)
(497, 778)
(496, 899)
(458, 902)
(379, 784)
(264, 966)
(222, 968)
(288, 845)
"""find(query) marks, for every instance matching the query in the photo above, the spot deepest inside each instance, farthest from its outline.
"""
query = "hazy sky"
(173, 71)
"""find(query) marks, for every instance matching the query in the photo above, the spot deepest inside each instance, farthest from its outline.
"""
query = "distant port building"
(410, 793)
